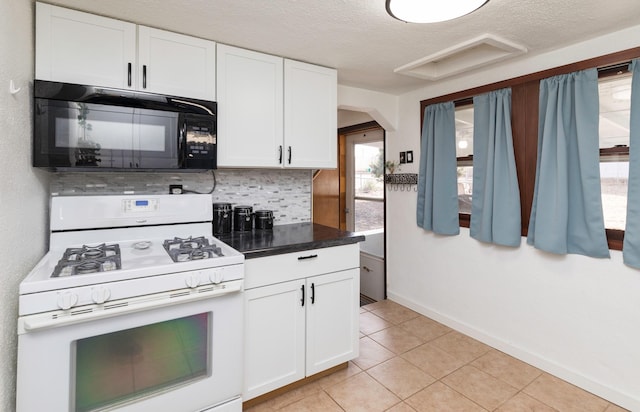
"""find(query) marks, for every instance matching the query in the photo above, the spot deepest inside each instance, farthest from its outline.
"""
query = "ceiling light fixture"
(431, 11)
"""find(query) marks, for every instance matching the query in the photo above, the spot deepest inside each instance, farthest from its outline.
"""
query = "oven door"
(179, 351)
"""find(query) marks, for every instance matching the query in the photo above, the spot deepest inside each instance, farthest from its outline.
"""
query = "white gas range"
(135, 307)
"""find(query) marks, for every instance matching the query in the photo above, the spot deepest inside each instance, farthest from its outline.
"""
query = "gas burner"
(88, 259)
(91, 252)
(185, 249)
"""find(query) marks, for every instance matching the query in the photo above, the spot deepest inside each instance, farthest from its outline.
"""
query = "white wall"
(573, 316)
(23, 191)
(350, 118)
(382, 107)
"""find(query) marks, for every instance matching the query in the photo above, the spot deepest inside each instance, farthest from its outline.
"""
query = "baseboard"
(613, 395)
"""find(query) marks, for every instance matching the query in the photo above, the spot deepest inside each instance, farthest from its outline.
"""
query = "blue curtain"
(566, 215)
(495, 205)
(437, 208)
(631, 245)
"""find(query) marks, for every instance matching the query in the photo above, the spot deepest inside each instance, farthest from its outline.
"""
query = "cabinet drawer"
(290, 266)
(372, 276)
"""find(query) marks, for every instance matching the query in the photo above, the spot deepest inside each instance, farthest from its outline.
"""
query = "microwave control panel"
(200, 141)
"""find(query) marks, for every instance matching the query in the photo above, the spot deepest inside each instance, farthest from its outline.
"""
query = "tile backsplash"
(286, 192)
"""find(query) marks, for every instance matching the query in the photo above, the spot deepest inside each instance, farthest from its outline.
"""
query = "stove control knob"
(100, 295)
(217, 276)
(67, 300)
(192, 280)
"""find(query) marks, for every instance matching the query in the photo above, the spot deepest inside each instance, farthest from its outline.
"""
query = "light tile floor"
(409, 362)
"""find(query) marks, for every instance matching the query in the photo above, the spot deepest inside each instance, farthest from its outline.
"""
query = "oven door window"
(70, 134)
(126, 365)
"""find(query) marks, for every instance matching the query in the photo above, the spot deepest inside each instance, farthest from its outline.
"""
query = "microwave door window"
(94, 135)
(155, 139)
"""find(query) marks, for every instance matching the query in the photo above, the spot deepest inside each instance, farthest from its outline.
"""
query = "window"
(615, 102)
(615, 84)
(365, 180)
(464, 155)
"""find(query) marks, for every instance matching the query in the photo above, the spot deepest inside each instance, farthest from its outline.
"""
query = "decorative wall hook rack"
(402, 182)
(12, 87)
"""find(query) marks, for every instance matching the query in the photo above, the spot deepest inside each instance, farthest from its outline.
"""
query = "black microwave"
(89, 128)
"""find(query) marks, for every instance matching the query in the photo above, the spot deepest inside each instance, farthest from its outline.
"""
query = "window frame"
(464, 218)
(524, 124)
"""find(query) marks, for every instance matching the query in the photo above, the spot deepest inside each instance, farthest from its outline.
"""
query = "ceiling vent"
(468, 55)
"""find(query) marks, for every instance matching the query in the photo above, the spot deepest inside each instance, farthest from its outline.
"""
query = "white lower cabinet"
(332, 320)
(274, 338)
(297, 328)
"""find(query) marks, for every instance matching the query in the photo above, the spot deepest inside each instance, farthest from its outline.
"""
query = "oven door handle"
(60, 318)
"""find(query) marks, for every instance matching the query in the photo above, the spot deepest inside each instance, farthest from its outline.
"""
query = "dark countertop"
(288, 238)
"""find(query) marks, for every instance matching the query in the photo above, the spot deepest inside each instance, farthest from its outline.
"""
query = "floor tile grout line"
(335, 400)
(463, 395)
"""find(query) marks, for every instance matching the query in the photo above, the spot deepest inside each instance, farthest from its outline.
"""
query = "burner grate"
(88, 259)
(185, 249)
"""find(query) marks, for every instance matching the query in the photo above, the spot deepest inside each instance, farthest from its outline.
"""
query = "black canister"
(242, 218)
(264, 219)
(221, 218)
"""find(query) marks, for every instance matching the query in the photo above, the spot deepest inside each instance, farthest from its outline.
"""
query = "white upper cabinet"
(250, 108)
(175, 64)
(274, 112)
(78, 47)
(310, 116)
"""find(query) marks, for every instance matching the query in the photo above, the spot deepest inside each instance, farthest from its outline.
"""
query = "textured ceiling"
(358, 37)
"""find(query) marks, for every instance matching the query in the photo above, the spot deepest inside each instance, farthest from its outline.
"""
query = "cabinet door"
(332, 319)
(77, 47)
(274, 337)
(175, 64)
(250, 108)
(310, 116)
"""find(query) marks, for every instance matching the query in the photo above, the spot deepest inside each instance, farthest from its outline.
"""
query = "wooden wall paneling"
(326, 198)
(342, 167)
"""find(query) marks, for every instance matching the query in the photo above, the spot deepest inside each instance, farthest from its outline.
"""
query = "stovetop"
(106, 257)
(111, 248)
(144, 256)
